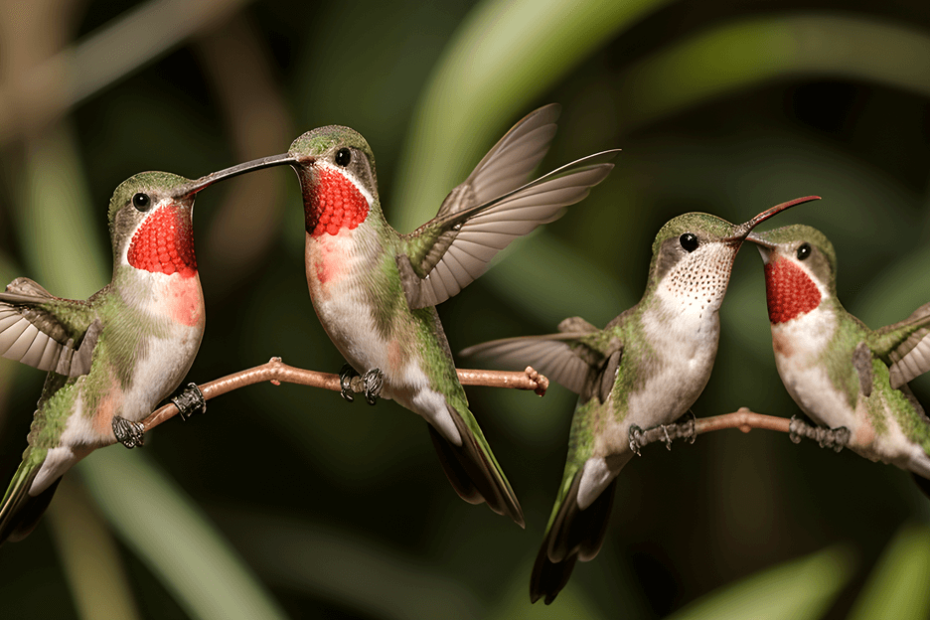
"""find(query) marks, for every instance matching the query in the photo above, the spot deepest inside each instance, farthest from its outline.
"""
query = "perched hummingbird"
(374, 289)
(112, 358)
(838, 371)
(645, 368)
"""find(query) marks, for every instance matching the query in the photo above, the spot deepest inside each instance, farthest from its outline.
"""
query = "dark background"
(288, 502)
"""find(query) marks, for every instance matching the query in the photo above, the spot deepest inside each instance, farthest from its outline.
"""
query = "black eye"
(804, 251)
(688, 241)
(343, 157)
(142, 202)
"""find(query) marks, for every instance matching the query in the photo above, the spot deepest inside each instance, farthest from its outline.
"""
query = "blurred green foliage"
(286, 501)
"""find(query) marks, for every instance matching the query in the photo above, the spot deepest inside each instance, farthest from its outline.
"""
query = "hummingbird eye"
(142, 202)
(689, 242)
(804, 251)
(343, 157)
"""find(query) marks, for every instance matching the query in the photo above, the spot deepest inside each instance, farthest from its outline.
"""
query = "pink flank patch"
(332, 204)
(107, 408)
(789, 291)
(164, 243)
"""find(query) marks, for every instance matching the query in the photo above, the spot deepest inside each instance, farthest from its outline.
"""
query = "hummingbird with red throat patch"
(842, 374)
(112, 358)
(374, 289)
(644, 369)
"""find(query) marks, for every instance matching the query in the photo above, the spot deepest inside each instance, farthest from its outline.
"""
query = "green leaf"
(174, 539)
(362, 574)
(57, 226)
(505, 54)
(897, 587)
(572, 602)
(753, 51)
(89, 556)
(796, 590)
(545, 278)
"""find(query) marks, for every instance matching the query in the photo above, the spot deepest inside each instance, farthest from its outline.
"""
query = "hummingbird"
(374, 289)
(644, 369)
(113, 357)
(842, 374)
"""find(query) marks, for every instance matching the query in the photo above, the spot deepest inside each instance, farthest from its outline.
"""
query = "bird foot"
(189, 400)
(374, 381)
(370, 384)
(835, 438)
(130, 434)
(636, 439)
(665, 433)
(346, 374)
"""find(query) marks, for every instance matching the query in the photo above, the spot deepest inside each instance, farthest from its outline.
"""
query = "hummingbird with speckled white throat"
(842, 374)
(113, 357)
(374, 289)
(644, 369)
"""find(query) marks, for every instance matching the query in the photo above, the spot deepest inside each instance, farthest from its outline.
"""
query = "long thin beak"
(256, 164)
(743, 230)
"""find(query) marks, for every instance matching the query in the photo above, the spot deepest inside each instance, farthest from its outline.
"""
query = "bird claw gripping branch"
(130, 434)
(350, 383)
(374, 381)
(835, 438)
(189, 401)
(346, 374)
(665, 433)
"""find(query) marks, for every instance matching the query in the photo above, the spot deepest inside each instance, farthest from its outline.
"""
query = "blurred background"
(286, 502)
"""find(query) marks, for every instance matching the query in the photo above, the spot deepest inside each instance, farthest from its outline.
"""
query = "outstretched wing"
(569, 358)
(450, 251)
(508, 164)
(46, 332)
(907, 346)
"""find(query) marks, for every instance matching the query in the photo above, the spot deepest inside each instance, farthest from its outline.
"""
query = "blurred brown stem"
(277, 372)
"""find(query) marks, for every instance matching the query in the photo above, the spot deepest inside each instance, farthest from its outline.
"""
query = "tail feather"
(473, 471)
(574, 534)
(20, 512)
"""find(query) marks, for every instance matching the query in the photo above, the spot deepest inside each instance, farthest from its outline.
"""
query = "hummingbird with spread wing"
(374, 289)
(644, 369)
(842, 374)
(111, 358)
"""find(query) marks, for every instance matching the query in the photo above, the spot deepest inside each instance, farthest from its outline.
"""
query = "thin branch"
(277, 372)
(744, 420)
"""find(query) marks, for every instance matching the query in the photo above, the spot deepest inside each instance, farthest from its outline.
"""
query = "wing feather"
(508, 164)
(493, 207)
(907, 345)
(558, 356)
(31, 333)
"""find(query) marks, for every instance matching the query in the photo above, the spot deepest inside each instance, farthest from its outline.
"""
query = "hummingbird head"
(150, 217)
(693, 254)
(336, 168)
(800, 270)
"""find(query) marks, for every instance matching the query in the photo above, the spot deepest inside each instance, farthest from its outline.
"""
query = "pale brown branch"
(744, 420)
(277, 372)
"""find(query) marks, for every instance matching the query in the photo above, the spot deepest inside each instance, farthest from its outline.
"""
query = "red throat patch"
(789, 291)
(333, 203)
(164, 243)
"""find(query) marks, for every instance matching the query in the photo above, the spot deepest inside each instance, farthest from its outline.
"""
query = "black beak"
(203, 182)
(743, 230)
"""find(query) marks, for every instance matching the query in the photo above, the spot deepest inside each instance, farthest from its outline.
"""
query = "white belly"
(799, 346)
(334, 270)
(684, 349)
